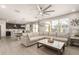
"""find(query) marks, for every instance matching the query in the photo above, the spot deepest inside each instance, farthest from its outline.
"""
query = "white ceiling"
(23, 13)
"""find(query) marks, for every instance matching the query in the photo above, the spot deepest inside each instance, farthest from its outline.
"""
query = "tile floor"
(10, 46)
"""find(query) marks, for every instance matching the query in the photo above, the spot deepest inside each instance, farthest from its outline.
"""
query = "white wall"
(3, 28)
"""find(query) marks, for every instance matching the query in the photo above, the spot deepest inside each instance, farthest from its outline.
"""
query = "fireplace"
(8, 33)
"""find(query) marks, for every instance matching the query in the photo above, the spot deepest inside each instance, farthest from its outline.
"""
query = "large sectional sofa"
(29, 39)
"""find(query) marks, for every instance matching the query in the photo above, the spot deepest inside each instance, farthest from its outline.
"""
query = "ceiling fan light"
(41, 13)
(73, 10)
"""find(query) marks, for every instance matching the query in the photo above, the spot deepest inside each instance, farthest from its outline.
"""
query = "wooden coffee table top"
(56, 44)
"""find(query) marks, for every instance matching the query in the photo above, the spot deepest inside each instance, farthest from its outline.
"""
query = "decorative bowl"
(50, 40)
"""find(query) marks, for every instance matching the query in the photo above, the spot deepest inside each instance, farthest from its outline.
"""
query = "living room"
(39, 29)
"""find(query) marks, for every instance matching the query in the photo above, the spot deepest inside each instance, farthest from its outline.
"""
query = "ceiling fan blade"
(47, 14)
(50, 11)
(47, 7)
(39, 8)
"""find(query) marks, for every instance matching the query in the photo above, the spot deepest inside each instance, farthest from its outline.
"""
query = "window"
(35, 27)
(48, 26)
(54, 25)
(61, 25)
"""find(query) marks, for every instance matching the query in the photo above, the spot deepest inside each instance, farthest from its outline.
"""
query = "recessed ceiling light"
(3, 6)
(73, 10)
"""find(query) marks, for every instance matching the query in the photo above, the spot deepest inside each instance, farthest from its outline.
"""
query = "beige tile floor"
(10, 46)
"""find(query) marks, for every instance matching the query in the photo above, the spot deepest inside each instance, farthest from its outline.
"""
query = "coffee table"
(56, 45)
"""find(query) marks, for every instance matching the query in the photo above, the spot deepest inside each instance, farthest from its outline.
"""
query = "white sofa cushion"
(30, 34)
(61, 39)
(33, 34)
(65, 35)
(52, 33)
(41, 33)
(57, 38)
(36, 34)
(45, 33)
(48, 37)
(36, 38)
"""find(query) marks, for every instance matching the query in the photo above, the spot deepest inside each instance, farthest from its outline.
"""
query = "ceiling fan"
(44, 11)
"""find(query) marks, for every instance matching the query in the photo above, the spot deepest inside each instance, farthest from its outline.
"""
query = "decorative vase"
(51, 40)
